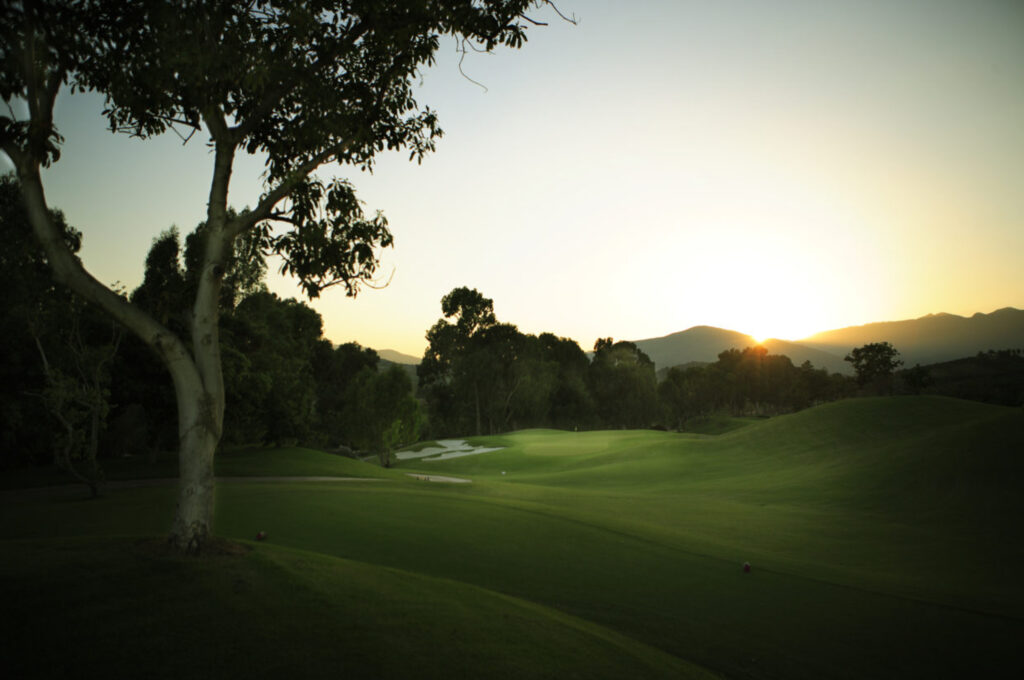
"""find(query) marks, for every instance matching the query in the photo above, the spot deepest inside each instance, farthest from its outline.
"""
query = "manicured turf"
(884, 536)
(291, 461)
(275, 613)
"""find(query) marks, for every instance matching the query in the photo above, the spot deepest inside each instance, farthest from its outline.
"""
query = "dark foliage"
(750, 382)
(994, 377)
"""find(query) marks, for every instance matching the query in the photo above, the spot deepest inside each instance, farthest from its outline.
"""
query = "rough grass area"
(718, 423)
(884, 537)
(120, 608)
(294, 461)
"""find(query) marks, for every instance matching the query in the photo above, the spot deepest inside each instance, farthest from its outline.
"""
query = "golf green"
(883, 537)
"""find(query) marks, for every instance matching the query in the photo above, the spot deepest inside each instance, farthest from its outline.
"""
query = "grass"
(291, 461)
(718, 423)
(273, 612)
(884, 535)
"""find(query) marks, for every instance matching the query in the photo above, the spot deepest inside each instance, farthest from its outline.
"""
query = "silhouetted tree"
(77, 387)
(623, 384)
(875, 364)
(336, 370)
(570, 404)
(304, 84)
(747, 382)
(36, 312)
(381, 413)
(447, 372)
(917, 378)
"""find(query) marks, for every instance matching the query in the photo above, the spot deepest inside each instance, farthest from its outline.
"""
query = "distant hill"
(799, 352)
(994, 377)
(397, 357)
(927, 340)
(932, 338)
(406, 364)
(703, 344)
(700, 343)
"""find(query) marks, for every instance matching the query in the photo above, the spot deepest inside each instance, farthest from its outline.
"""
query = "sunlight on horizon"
(777, 171)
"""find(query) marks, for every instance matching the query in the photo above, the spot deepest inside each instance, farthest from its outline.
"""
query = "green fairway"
(884, 537)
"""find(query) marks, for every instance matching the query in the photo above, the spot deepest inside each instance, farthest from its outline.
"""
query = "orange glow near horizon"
(758, 171)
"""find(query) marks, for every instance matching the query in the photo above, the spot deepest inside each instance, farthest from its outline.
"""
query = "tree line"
(304, 88)
(481, 376)
(75, 386)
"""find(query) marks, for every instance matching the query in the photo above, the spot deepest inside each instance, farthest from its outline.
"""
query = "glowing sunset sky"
(776, 168)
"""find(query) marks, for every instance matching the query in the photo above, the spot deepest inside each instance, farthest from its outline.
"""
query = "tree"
(78, 395)
(623, 383)
(304, 84)
(449, 368)
(336, 370)
(28, 287)
(917, 378)
(381, 413)
(875, 364)
(570, 404)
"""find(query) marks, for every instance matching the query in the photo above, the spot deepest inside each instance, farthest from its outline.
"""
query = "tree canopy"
(875, 364)
(302, 84)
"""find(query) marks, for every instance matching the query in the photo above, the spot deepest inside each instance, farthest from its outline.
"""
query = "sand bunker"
(438, 478)
(445, 449)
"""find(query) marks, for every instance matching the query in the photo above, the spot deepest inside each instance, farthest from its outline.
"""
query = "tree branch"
(264, 208)
(574, 21)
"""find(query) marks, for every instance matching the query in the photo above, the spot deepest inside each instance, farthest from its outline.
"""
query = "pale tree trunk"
(193, 517)
(201, 412)
(196, 371)
(198, 382)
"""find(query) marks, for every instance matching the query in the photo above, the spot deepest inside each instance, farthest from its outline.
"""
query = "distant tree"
(622, 381)
(570, 404)
(747, 382)
(875, 364)
(77, 389)
(479, 375)
(305, 84)
(273, 397)
(454, 365)
(28, 286)
(917, 378)
(381, 414)
(335, 370)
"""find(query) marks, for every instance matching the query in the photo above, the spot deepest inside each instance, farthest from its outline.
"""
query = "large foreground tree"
(304, 84)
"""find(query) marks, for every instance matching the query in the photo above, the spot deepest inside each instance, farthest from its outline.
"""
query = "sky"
(775, 168)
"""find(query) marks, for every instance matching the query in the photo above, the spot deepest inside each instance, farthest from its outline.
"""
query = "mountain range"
(928, 339)
(396, 357)
(925, 340)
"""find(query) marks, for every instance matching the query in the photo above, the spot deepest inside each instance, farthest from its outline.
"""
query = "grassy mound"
(884, 536)
(119, 608)
(291, 461)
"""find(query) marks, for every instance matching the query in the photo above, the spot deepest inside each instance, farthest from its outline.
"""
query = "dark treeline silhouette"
(480, 376)
(994, 377)
(284, 382)
(748, 382)
(75, 387)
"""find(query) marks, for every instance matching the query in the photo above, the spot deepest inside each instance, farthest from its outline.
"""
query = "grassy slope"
(294, 461)
(903, 495)
(279, 613)
(883, 535)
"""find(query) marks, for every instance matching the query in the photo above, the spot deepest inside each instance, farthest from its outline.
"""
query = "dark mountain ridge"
(932, 338)
(929, 339)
